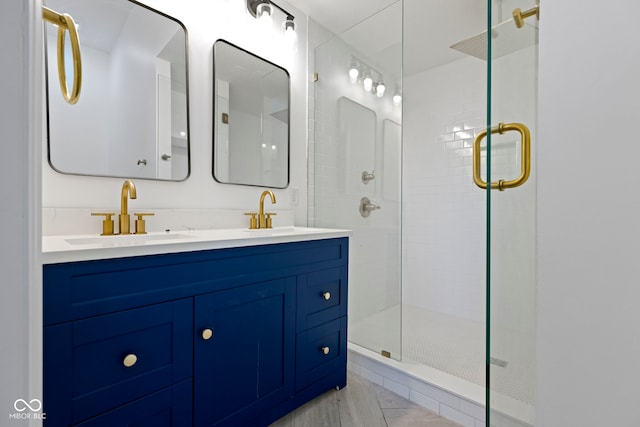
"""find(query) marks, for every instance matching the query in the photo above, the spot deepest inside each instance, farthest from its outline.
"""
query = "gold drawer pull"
(207, 334)
(130, 360)
(326, 295)
(325, 350)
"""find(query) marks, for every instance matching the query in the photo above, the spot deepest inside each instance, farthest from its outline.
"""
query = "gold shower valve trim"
(66, 23)
(525, 161)
(519, 16)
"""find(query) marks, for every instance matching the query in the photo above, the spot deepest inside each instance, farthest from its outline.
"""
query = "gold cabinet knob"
(130, 360)
(325, 350)
(207, 334)
(326, 295)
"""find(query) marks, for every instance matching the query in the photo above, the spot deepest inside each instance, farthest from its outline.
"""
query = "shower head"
(505, 39)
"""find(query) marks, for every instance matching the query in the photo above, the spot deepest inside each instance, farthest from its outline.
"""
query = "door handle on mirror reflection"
(366, 207)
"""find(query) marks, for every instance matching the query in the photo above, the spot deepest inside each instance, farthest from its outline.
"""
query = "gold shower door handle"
(65, 23)
(525, 160)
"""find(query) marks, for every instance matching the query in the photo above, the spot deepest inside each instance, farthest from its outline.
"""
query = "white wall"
(20, 290)
(588, 215)
(206, 22)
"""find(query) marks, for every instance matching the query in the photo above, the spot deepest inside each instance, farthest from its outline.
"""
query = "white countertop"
(58, 249)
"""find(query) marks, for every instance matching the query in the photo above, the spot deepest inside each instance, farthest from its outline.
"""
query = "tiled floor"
(361, 404)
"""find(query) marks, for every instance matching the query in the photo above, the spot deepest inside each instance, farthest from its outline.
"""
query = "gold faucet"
(128, 190)
(264, 220)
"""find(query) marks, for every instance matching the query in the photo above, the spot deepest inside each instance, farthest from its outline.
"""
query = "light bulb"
(380, 88)
(397, 98)
(353, 74)
(263, 13)
(290, 30)
(367, 83)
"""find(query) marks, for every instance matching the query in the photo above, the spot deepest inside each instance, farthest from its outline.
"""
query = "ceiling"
(340, 15)
(375, 28)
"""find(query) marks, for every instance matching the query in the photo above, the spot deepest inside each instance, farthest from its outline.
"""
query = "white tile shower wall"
(443, 215)
(206, 22)
(444, 238)
(317, 35)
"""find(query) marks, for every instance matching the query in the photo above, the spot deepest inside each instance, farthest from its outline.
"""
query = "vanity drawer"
(168, 407)
(97, 364)
(322, 297)
(320, 351)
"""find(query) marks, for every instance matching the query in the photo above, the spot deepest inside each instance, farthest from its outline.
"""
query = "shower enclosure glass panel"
(511, 302)
(355, 156)
(444, 226)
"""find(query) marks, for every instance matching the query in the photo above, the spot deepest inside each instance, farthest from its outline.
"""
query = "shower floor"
(452, 345)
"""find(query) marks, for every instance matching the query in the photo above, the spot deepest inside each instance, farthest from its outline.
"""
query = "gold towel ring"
(66, 23)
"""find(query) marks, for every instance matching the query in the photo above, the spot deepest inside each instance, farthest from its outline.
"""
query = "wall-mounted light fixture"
(371, 79)
(263, 9)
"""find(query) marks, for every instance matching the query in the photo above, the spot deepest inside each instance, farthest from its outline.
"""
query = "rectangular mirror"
(131, 119)
(251, 119)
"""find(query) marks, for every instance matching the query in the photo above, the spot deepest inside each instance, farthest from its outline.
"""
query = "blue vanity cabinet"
(244, 352)
(219, 337)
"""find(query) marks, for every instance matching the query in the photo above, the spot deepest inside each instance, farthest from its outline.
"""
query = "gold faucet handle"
(253, 221)
(140, 224)
(268, 219)
(107, 224)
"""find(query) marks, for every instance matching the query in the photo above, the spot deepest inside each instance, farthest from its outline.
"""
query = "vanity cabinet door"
(243, 352)
(97, 364)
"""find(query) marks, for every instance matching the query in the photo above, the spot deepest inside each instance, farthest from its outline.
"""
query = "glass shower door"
(507, 159)
(355, 156)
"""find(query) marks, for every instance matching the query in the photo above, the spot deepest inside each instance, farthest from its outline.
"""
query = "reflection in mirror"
(251, 126)
(132, 117)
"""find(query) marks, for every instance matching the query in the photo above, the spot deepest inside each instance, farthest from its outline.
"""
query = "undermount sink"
(126, 240)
